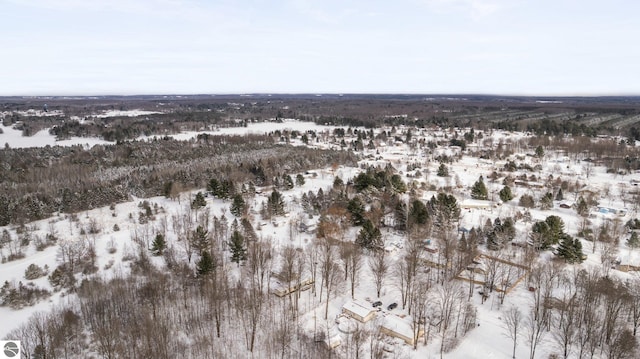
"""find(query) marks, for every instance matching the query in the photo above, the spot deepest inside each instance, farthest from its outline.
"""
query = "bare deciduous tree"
(513, 322)
(379, 267)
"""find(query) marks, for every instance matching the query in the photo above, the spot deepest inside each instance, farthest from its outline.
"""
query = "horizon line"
(260, 93)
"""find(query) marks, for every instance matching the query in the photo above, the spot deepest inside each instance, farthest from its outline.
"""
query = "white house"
(359, 311)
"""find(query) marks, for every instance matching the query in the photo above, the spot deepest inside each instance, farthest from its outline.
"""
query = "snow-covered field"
(14, 138)
(488, 340)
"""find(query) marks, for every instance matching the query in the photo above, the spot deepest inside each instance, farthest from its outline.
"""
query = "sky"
(509, 47)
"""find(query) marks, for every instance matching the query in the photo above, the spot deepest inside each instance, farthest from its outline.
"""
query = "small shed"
(359, 311)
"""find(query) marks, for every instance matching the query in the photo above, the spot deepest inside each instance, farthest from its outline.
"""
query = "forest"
(315, 236)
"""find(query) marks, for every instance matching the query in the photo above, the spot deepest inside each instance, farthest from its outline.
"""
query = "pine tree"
(565, 249)
(237, 247)
(418, 213)
(287, 182)
(582, 208)
(338, 182)
(300, 180)
(400, 216)
(369, 236)
(546, 202)
(556, 228)
(275, 203)
(505, 194)
(527, 201)
(213, 186)
(633, 241)
(444, 209)
(200, 238)
(237, 205)
(199, 201)
(570, 249)
(356, 209)
(205, 264)
(443, 171)
(479, 190)
(577, 247)
(159, 245)
(559, 195)
(398, 184)
(539, 152)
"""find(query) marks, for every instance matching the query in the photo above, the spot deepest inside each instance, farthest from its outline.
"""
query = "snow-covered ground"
(487, 340)
(14, 138)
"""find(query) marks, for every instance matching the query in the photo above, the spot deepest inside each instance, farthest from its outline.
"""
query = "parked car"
(377, 304)
(392, 306)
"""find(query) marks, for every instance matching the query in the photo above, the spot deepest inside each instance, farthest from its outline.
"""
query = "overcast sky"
(546, 47)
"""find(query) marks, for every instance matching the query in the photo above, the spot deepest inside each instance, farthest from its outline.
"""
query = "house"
(359, 311)
(476, 204)
(397, 327)
(629, 265)
(283, 289)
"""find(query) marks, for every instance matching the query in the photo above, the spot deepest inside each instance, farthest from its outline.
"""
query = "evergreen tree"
(418, 213)
(227, 189)
(275, 203)
(505, 194)
(159, 245)
(287, 182)
(633, 241)
(237, 205)
(200, 238)
(556, 228)
(548, 232)
(540, 235)
(338, 182)
(199, 201)
(469, 136)
(546, 202)
(369, 236)
(400, 216)
(582, 208)
(356, 209)
(398, 184)
(564, 249)
(559, 195)
(237, 247)
(300, 180)
(443, 171)
(6, 238)
(539, 152)
(577, 248)
(570, 249)
(444, 209)
(362, 181)
(479, 190)
(306, 204)
(527, 201)
(205, 264)
(247, 230)
(213, 186)
(463, 244)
